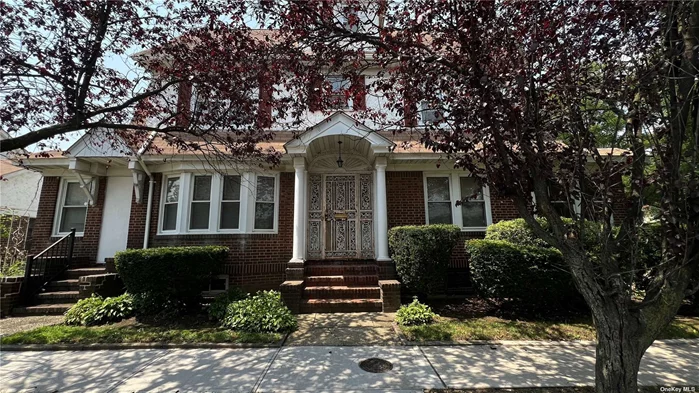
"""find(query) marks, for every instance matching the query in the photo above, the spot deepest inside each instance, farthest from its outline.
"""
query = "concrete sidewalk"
(331, 369)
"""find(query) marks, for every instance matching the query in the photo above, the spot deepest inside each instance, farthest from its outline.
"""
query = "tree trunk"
(618, 355)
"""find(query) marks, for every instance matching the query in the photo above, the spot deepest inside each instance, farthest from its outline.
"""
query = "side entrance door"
(115, 217)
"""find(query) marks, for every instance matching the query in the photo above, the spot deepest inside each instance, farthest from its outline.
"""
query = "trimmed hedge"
(168, 279)
(518, 232)
(422, 255)
(533, 275)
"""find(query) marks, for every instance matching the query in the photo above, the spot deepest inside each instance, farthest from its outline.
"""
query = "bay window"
(205, 204)
(443, 190)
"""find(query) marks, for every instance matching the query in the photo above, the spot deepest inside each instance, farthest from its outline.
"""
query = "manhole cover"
(376, 365)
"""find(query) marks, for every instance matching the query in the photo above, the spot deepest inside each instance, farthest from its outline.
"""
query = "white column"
(381, 214)
(299, 209)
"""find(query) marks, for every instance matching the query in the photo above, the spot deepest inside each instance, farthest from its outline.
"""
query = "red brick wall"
(255, 261)
(405, 198)
(85, 248)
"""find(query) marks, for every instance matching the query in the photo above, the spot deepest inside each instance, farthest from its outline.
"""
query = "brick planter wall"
(105, 285)
(9, 294)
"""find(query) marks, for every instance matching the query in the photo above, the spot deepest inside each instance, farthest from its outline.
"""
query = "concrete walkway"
(329, 368)
(19, 324)
(368, 328)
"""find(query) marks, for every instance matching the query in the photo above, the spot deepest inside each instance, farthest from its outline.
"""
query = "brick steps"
(58, 297)
(83, 271)
(341, 292)
(340, 305)
(64, 285)
(342, 270)
(42, 309)
(341, 280)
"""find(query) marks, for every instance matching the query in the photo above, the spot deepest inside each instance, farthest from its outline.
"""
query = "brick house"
(289, 226)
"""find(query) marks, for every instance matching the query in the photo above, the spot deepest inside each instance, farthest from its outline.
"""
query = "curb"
(115, 346)
(532, 343)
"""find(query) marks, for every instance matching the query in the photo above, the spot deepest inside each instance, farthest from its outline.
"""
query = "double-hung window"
(212, 203)
(337, 98)
(72, 210)
(443, 190)
(265, 205)
(201, 203)
(230, 203)
(439, 209)
(171, 203)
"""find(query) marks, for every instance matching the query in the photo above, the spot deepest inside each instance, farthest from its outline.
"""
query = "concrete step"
(342, 270)
(361, 281)
(83, 271)
(64, 285)
(58, 297)
(341, 292)
(42, 309)
(340, 305)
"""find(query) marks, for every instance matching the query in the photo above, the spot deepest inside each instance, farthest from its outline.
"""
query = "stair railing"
(45, 266)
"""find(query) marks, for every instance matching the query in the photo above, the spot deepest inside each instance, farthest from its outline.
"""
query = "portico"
(339, 211)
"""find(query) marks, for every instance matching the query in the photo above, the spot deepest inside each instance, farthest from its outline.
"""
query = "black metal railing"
(43, 267)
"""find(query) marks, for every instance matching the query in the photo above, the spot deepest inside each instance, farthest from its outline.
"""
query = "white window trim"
(211, 292)
(248, 181)
(455, 195)
(577, 204)
(60, 202)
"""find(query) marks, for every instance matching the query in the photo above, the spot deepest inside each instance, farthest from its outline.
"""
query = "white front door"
(115, 217)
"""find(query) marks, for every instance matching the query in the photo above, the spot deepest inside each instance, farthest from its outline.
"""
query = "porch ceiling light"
(339, 157)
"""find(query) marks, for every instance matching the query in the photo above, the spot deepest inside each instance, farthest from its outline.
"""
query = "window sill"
(223, 233)
(474, 229)
(77, 234)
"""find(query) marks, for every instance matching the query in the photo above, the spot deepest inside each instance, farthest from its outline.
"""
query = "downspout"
(151, 185)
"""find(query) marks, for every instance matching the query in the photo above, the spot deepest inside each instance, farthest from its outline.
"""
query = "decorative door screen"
(340, 216)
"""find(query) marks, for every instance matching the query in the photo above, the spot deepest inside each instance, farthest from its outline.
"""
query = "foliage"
(217, 308)
(414, 314)
(262, 312)
(422, 255)
(13, 234)
(84, 312)
(13, 269)
(74, 46)
(168, 280)
(532, 275)
(518, 232)
(97, 311)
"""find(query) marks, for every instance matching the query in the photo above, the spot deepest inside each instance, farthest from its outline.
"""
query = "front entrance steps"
(331, 286)
(60, 294)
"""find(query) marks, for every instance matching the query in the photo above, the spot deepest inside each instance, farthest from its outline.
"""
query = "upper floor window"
(444, 189)
(193, 203)
(338, 88)
(71, 211)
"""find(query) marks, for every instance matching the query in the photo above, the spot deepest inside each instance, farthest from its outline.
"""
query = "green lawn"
(493, 328)
(61, 334)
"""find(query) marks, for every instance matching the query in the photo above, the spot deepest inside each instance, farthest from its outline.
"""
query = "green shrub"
(422, 255)
(263, 312)
(518, 232)
(217, 308)
(414, 313)
(533, 275)
(97, 311)
(168, 280)
(83, 312)
(114, 309)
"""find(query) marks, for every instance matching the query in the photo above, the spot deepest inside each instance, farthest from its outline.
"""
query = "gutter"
(151, 185)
